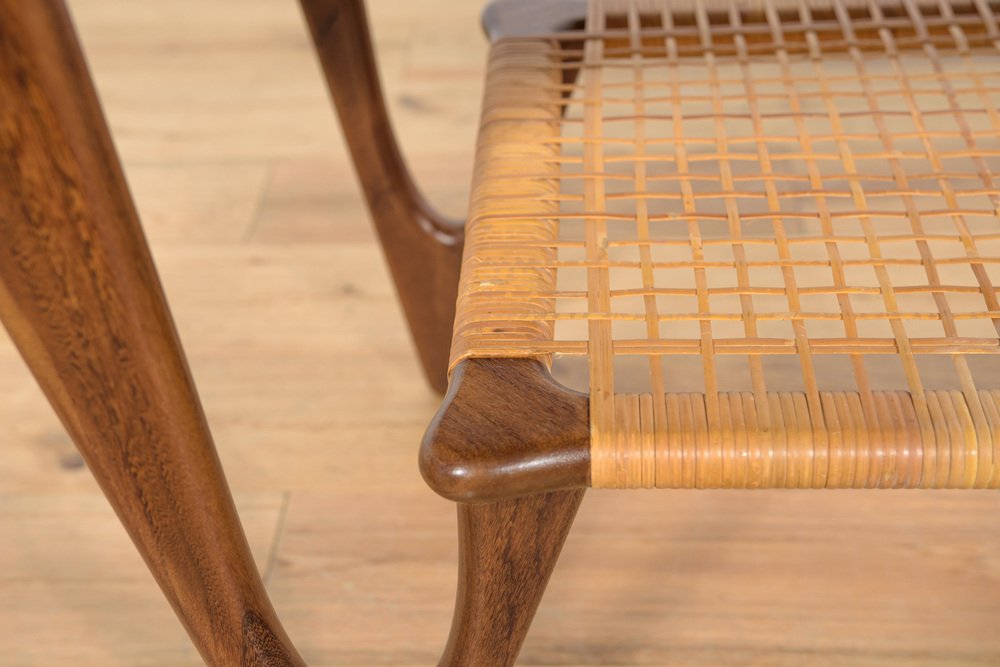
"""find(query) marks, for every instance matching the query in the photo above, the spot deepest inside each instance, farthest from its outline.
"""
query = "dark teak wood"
(424, 251)
(507, 551)
(506, 429)
(81, 300)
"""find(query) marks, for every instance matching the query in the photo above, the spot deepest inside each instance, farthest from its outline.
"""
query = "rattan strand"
(810, 185)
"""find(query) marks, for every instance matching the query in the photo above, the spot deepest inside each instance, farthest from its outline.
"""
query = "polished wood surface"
(81, 300)
(291, 327)
(506, 429)
(507, 551)
(423, 249)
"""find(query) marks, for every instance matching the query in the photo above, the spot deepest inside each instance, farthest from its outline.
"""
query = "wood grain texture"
(507, 551)
(680, 578)
(81, 300)
(291, 336)
(423, 250)
(506, 428)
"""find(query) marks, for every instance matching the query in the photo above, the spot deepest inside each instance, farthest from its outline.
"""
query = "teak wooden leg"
(424, 250)
(508, 550)
(81, 300)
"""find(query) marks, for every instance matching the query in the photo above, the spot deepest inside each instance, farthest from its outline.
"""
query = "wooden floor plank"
(74, 591)
(679, 578)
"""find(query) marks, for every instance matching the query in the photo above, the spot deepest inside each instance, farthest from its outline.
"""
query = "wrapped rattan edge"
(935, 439)
(515, 184)
(881, 446)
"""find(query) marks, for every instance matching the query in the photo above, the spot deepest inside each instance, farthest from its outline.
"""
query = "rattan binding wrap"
(808, 189)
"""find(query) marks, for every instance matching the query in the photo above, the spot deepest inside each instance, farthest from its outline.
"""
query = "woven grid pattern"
(771, 234)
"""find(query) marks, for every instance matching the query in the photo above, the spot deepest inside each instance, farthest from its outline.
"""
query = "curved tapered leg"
(423, 249)
(508, 550)
(81, 300)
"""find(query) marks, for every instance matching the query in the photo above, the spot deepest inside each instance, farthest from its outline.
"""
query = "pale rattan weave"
(770, 233)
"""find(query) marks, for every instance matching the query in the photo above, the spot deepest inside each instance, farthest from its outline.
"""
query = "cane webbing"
(770, 232)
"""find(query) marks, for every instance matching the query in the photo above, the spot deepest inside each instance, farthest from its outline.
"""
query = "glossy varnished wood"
(700, 579)
(81, 300)
(507, 551)
(506, 429)
(424, 250)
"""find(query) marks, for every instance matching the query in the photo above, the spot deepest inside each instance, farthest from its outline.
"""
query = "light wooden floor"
(317, 404)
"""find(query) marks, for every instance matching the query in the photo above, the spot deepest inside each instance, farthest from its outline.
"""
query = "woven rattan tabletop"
(763, 238)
